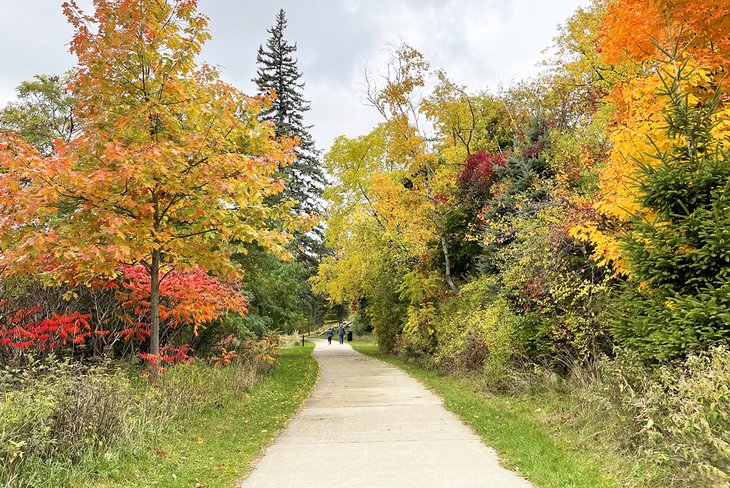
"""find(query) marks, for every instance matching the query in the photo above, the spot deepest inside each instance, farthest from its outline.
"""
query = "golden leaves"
(169, 157)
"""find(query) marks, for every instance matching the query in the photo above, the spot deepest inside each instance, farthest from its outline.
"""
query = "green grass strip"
(218, 448)
(523, 443)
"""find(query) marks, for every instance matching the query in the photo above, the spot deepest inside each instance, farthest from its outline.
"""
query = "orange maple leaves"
(169, 167)
(655, 35)
(632, 28)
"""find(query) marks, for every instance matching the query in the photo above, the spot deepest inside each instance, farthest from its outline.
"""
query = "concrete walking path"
(369, 424)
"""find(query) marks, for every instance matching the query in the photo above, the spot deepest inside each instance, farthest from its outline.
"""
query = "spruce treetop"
(278, 72)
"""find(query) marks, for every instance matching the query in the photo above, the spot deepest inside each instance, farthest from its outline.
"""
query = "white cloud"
(480, 43)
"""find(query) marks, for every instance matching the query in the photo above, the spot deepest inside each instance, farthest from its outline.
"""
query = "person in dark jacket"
(330, 333)
(341, 333)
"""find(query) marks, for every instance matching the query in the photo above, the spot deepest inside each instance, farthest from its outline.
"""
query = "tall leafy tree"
(171, 170)
(42, 114)
(278, 73)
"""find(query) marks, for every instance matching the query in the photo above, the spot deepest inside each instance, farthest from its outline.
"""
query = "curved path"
(369, 424)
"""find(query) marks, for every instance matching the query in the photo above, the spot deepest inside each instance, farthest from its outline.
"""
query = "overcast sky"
(482, 44)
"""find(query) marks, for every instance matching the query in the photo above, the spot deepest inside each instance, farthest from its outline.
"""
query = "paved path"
(369, 424)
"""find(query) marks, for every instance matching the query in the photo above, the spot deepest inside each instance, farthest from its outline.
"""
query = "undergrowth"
(62, 423)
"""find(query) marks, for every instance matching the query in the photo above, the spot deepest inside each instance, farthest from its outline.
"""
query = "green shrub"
(387, 314)
(477, 331)
(675, 416)
(361, 324)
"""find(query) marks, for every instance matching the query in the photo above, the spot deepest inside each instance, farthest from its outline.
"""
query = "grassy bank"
(65, 424)
(217, 447)
(519, 429)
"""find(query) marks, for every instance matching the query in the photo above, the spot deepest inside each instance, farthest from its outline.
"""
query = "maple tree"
(634, 29)
(646, 37)
(171, 170)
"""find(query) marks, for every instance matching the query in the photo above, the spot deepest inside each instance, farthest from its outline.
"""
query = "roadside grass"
(217, 447)
(517, 428)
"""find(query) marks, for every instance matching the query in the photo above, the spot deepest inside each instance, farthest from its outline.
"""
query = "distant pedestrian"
(348, 331)
(330, 333)
(341, 333)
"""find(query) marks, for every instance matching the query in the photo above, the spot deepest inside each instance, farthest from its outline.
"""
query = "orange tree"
(170, 169)
(645, 34)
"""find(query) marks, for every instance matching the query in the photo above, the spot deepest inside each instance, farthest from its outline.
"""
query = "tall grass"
(61, 423)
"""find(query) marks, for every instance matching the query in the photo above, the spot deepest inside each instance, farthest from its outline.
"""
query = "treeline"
(576, 223)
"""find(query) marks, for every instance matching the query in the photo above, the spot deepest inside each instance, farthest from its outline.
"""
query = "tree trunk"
(154, 311)
(444, 245)
(447, 265)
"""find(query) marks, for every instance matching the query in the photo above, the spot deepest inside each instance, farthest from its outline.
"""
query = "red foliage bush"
(168, 356)
(23, 330)
(187, 297)
(476, 179)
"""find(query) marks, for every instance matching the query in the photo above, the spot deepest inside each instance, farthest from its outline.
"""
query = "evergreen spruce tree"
(280, 292)
(278, 71)
(678, 298)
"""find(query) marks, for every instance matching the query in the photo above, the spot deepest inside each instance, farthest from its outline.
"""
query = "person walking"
(341, 333)
(330, 333)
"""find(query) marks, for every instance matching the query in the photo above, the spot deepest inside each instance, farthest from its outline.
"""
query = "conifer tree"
(278, 71)
(678, 253)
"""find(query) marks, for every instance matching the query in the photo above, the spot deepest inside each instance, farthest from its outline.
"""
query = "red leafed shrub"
(23, 329)
(226, 357)
(187, 298)
(477, 176)
(169, 356)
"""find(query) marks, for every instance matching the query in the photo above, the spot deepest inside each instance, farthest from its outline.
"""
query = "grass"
(514, 427)
(218, 447)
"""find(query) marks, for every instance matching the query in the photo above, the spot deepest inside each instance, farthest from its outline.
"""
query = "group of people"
(342, 331)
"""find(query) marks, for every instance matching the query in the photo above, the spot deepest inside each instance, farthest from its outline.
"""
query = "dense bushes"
(478, 331)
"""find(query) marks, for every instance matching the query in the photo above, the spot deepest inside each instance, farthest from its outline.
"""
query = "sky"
(482, 44)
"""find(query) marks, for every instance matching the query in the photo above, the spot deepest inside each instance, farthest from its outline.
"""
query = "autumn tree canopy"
(172, 166)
